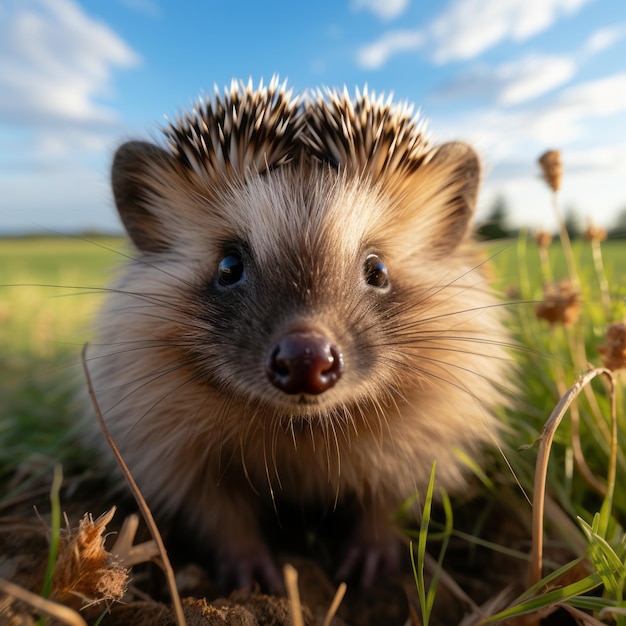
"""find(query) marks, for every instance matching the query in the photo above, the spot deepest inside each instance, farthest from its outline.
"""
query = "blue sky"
(512, 77)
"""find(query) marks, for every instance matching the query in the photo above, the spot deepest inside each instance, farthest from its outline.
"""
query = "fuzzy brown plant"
(594, 233)
(543, 238)
(614, 349)
(560, 304)
(85, 570)
(552, 168)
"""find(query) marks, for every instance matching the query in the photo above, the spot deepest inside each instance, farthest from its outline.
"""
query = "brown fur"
(178, 363)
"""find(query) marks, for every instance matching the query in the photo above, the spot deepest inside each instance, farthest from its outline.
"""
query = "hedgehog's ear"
(135, 175)
(455, 171)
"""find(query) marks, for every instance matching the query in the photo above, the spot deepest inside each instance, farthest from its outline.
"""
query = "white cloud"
(385, 9)
(467, 28)
(561, 121)
(511, 83)
(602, 96)
(584, 121)
(378, 53)
(568, 118)
(533, 76)
(604, 38)
(55, 62)
(598, 158)
(148, 7)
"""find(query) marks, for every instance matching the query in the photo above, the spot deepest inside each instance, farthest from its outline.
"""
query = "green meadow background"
(51, 287)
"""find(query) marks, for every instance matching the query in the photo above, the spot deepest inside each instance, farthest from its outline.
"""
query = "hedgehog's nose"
(304, 362)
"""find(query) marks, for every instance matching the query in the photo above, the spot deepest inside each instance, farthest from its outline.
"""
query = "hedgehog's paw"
(237, 569)
(373, 551)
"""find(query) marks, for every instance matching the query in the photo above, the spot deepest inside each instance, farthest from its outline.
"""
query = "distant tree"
(572, 223)
(495, 226)
(618, 230)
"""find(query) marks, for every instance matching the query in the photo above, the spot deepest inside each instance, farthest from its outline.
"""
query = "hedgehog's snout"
(304, 362)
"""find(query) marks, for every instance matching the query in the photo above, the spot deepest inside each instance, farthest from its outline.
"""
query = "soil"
(24, 546)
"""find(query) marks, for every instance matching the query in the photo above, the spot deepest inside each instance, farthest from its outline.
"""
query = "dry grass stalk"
(544, 239)
(334, 605)
(595, 235)
(141, 502)
(543, 455)
(581, 617)
(614, 349)
(291, 583)
(579, 457)
(552, 170)
(63, 614)
(124, 548)
(560, 304)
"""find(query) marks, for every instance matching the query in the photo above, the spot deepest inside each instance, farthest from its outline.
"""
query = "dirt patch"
(24, 547)
(473, 576)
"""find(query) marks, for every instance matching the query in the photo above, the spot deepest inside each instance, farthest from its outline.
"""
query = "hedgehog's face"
(293, 286)
(296, 292)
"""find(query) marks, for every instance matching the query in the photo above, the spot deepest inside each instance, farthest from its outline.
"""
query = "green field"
(49, 290)
(53, 291)
(51, 287)
(55, 284)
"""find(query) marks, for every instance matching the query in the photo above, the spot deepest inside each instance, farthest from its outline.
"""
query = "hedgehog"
(304, 321)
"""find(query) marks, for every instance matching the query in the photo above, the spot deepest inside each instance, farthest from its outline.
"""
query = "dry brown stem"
(552, 170)
(291, 583)
(334, 605)
(543, 455)
(62, 613)
(124, 548)
(141, 502)
(579, 457)
(595, 235)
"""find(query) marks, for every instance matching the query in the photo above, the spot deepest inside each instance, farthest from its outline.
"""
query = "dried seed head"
(543, 238)
(552, 168)
(560, 304)
(84, 569)
(512, 292)
(614, 349)
(594, 233)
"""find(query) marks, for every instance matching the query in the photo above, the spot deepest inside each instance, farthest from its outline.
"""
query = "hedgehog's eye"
(230, 269)
(375, 272)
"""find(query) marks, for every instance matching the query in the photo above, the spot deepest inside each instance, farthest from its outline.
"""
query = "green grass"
(55, 281)
(46, 310)
(578, 472)
(49, 291)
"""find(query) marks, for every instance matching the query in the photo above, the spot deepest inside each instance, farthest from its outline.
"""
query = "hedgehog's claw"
(242, 571)
(372, 552)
